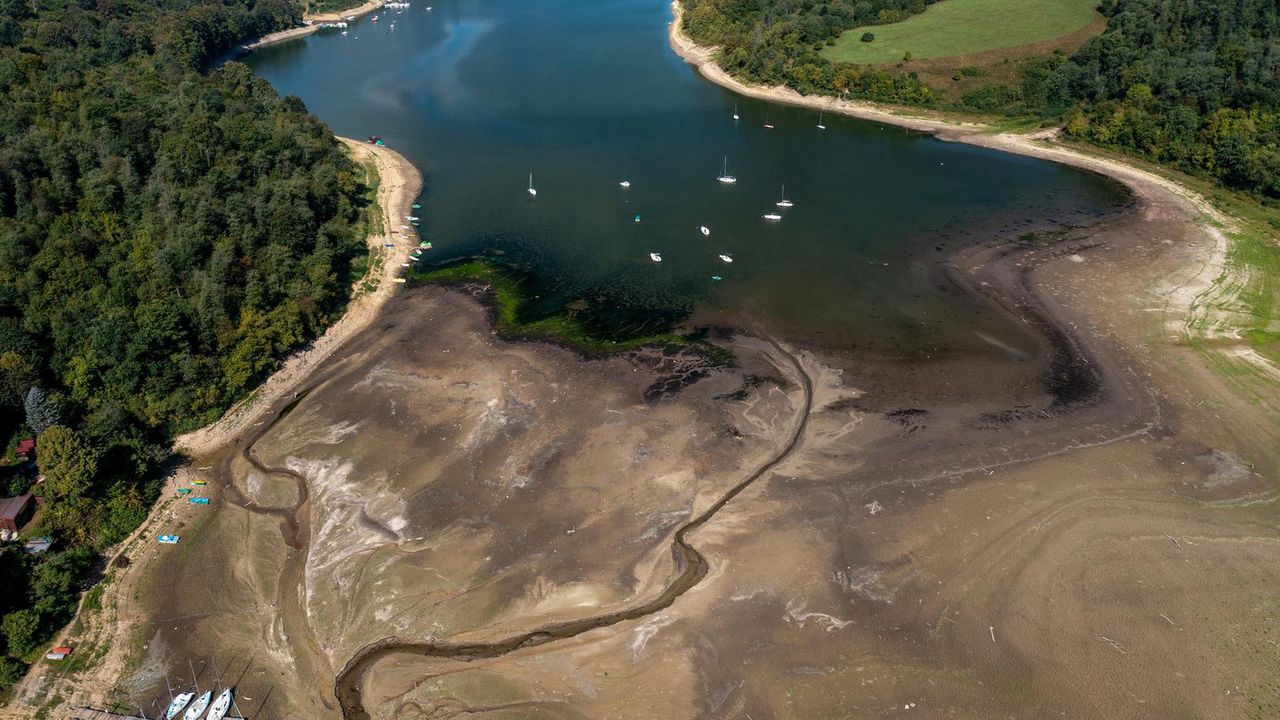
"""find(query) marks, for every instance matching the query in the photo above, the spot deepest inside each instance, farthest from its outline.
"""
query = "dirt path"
(107, 630)
(400, 184)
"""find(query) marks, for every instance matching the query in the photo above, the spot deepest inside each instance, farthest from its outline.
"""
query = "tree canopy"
(167, 235)
(1191, 83)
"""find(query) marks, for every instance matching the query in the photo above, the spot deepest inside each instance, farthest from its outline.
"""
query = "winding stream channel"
(690, 565)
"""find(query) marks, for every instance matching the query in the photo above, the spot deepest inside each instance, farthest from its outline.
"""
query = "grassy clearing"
(962, 27)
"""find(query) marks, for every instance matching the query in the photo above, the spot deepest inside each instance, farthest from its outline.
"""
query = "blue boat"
(199, 501)
(168, 539)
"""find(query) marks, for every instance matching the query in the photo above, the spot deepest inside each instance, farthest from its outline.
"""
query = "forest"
(167, 235)
(1194, 84)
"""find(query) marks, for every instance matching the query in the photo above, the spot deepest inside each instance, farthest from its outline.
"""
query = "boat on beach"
(198, 707)
(221, 706)
(725, 177)
(176, 705)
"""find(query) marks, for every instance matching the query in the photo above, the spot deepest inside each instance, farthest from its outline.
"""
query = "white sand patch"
(645, 632)
(797, 614)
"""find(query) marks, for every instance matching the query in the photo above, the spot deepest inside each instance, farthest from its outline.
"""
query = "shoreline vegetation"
(313, 25)
(1206, 313)
(507, 299)
(399, 183)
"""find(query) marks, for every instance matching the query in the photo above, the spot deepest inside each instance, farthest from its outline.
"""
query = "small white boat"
(735, 111)
(820, 125)
(784, 202)
(198, 707)
(727, 258)
(220, 706)
(725, 177)
(768, 124)
(655, 257)
(532, 192)
(344, 32)
(177, 704)
(624, 184)
(704, 229)
(374, 19)
(773, 217)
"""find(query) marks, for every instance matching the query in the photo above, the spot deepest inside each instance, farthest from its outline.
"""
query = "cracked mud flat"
(1082, 528)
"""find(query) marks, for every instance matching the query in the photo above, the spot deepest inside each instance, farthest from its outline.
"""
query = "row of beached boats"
(189, 706)
(195, 709)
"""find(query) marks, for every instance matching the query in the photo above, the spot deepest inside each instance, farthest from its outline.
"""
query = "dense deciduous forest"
(166, 236)
(1191, 83)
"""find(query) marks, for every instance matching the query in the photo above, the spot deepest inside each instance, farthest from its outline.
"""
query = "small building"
(26, 447)
(16, 511)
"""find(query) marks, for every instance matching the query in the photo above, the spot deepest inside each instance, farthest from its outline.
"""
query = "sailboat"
(177, 704)
(220, 706)
(725, 177)
(532, 192)
(735, 111)
(773, 217)
(784, 202)
(704, 230)
(198, 707)
(655, 257)
(820, 125)
(767, 124)
(727, 258)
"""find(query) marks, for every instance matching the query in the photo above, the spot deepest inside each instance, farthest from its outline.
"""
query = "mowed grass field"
(961, 27)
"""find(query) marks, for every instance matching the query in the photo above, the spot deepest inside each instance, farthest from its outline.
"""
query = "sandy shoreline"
(400, 184)
(305, 30)
(1038, 145)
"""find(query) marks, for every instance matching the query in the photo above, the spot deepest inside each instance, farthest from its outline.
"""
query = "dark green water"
(481, 93)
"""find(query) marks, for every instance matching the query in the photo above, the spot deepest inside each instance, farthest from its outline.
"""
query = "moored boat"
(655, 257)
(725, 177)
(772, 216)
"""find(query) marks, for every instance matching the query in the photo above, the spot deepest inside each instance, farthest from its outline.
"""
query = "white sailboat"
(774, 217)
(198, 707)
(784, 202)
(655, 257)
(220, 706)
(177, 704)
(725, 177)
(767, 124)
(727, 258)
(735, 111)
(704, 230)
(820, 125)
(532, 192)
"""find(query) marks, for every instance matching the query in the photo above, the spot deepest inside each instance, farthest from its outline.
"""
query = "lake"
(481, 93)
